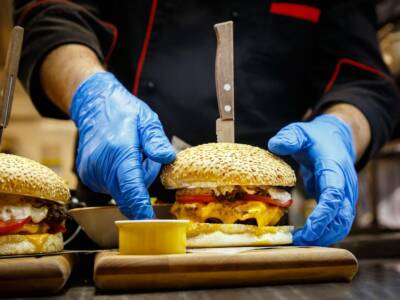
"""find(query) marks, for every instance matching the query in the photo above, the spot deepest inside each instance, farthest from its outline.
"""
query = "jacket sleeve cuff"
(380, 122)
(49, 26)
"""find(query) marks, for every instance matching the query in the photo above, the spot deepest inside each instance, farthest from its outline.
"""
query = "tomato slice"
(56, 228)
(13, 225)
(195, 198)
(268, 200)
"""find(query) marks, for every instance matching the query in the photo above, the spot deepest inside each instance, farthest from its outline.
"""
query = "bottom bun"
(30, 243)
(203, 235)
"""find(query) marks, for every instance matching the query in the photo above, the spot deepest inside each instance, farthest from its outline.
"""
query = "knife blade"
(10, 79)
(224, 82)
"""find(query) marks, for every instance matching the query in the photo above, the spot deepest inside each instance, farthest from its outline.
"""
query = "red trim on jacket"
(114, 41)
(146, 42)
(357, 65)
(298, 11)
(31, 6)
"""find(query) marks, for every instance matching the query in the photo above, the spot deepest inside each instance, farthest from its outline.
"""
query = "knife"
(11, 73)
(224, 81)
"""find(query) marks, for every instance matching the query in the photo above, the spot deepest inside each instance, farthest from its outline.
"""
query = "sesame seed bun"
(203, 235)
(32, 243)
(226, 164)
(23, 176)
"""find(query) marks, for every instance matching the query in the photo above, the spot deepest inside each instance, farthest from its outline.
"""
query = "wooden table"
(377, 279)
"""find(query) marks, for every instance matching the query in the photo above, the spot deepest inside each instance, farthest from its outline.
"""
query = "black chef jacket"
(290, 56)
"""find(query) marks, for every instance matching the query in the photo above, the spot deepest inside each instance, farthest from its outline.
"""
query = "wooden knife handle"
(224, 80)
(11, 73)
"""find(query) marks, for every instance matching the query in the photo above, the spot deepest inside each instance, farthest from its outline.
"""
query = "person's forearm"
(358, 123)
(64, 69)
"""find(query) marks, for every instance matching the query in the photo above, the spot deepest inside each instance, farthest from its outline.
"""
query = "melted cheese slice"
(229, 212)
(28, 228)
(38, 240)
(31, 228)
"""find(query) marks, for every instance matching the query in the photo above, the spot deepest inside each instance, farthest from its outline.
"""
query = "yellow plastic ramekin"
(148, 237)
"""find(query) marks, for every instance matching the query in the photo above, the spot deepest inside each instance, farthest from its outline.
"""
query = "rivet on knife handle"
(224, 80)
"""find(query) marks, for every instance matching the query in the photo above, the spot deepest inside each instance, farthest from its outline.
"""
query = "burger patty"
(229, 212)
(56, 214)
(250, 221)
(248, 205)
(237, 192)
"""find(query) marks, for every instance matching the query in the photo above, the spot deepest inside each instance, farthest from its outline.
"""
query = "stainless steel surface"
(377, 279)
(11, 73)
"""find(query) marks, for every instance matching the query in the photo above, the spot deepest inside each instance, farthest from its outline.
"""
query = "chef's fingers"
(331, 189)
(308, 180)
(289, 140)
(151, 170)
(153, 139)
(131, 194)
(336, 231)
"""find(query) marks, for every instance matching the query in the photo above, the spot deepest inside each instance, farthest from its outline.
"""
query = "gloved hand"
(115, 128)
(324, 149)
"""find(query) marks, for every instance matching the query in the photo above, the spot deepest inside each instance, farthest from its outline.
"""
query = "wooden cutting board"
(35, 275)
(205, 270)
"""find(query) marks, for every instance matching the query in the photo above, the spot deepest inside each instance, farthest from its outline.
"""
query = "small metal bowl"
(99, 222)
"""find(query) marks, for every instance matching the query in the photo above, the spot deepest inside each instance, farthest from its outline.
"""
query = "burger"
(233, 194)
(32, 207)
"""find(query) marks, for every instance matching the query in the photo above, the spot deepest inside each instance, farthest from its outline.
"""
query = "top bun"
(23, 176)
(226, 164)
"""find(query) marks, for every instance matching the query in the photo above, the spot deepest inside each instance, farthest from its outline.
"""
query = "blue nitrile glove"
(324, 149)
(114, 128)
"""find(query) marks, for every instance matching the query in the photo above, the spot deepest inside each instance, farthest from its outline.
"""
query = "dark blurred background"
(376, 231)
